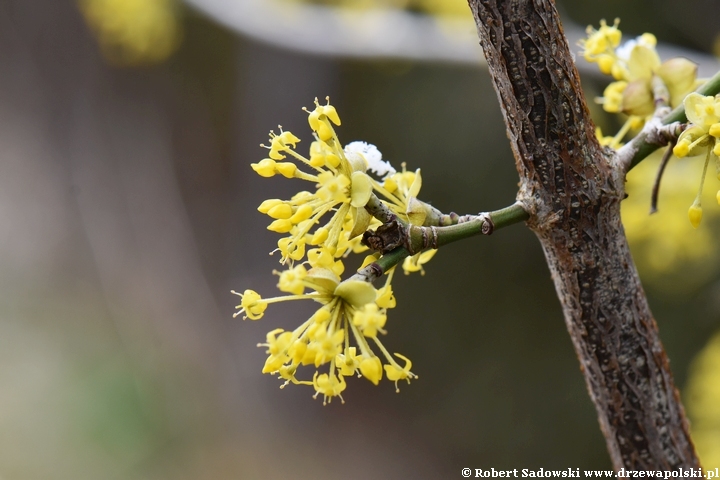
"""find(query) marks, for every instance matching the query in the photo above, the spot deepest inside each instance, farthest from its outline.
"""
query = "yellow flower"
(415, 263)
(612, 99)
(395, 372)
(695, 214)
(400, 189)
(349, 312)
(701, 136)
(643, 62)
(291, 281)
(600, 42)
(633, 65)
(371, 368)
(385, 297)
(134, 32)
(370, 320)
(671, 254)
(348, 362)
(342, 189)
(329, 385)
(251, 304)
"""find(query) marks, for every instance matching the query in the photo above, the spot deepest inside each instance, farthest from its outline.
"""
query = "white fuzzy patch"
(372, 157)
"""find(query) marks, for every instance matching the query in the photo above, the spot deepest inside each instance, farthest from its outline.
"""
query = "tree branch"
(572, 190)
(417, 237)
(641, 146)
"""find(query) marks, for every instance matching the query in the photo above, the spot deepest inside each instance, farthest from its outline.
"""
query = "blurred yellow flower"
(702, 398)
(134, 32)
(668, 251)
(456, 8)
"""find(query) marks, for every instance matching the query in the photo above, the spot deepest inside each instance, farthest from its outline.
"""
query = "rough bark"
(572, 188)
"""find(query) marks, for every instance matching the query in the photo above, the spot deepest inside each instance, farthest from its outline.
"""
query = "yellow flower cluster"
(671, 255)
(344, 333)
(343, 188)
(134, 32)
(350, 309)
(701, 136)
(633, 65)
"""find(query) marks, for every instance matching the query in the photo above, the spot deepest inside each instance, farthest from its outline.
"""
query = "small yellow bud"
(273, 363)
(332, 160)
(371, 368)
(390, 185)
(286, 169)
(321, 316)
(681, 149)
(314, 120)
(264, 168)
(281, 225)
(320, 235)
(324, 131)
(268, 204)
(695, 214)
(303, 212)
(283, 210)
(715, 130)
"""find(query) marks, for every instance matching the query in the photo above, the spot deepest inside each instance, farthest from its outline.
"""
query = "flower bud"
(695, 215)
(371, 368)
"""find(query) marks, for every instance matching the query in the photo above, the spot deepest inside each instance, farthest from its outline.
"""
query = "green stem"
(504, 217)
(643, 148)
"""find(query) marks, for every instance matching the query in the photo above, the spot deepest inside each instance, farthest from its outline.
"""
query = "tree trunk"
(572, 189)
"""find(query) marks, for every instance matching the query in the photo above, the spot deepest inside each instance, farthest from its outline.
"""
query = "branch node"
(386, 237)
(434, 238)
(488, 226)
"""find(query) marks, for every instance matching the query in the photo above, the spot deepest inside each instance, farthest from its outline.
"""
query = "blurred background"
(128, 213)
